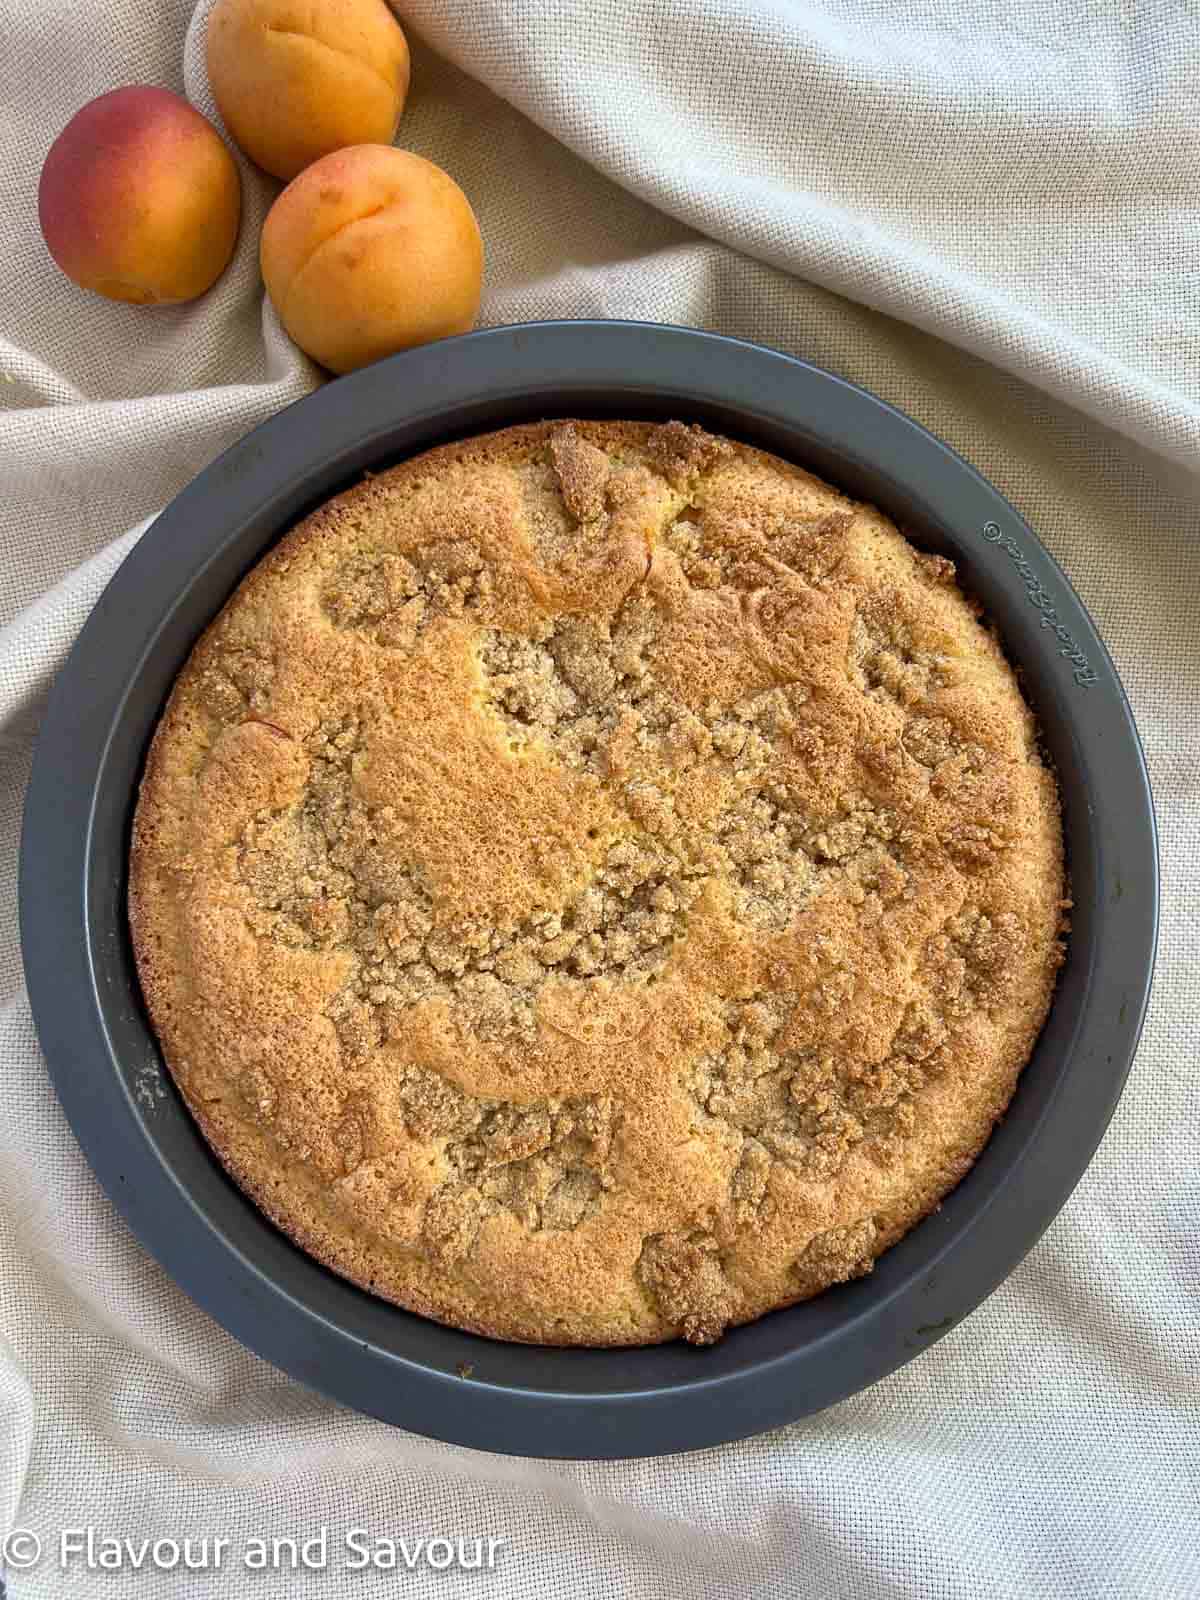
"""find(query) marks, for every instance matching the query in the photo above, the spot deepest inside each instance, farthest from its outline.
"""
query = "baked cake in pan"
(596, 883)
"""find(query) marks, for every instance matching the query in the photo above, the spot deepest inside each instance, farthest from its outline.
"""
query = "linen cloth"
(988, 214)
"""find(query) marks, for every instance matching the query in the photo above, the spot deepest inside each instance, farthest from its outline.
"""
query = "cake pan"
(142, 1143)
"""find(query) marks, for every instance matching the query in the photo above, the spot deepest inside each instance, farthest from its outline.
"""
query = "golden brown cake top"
(596, 882)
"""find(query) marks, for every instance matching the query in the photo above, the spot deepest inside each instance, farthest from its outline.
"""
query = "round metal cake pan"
(130, 1120)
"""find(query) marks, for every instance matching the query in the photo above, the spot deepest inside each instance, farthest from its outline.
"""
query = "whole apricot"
(370, 251)
(139, 198)
(294, 80)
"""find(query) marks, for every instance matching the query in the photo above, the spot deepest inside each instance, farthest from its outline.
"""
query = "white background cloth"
(990, 215)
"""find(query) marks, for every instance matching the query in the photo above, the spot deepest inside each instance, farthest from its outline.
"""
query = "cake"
(595, 884)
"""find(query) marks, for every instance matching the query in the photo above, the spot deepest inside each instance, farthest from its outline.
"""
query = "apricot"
(370, 251)
(294, 80)
(139, 198)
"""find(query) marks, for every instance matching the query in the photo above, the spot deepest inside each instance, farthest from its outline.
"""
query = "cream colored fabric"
(990, 215)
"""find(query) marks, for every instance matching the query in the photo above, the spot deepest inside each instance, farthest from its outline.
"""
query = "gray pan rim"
(144, 1148)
